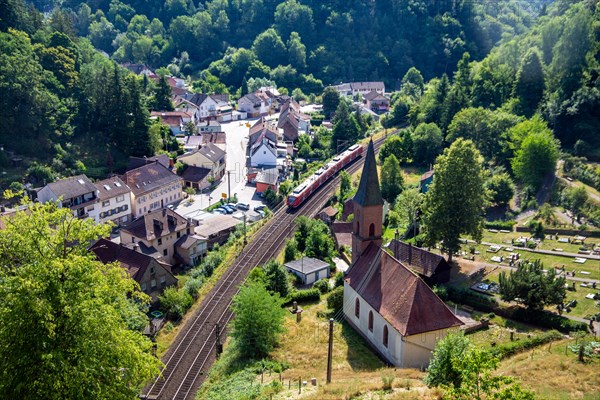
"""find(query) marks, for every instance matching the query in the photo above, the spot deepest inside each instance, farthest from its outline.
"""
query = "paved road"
(237, 139)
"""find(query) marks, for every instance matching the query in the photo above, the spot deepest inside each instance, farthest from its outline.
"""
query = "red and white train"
(313, 182)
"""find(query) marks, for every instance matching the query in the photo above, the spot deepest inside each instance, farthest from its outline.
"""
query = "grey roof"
(149, 177)
(72, 187)
(367, 85)
(307, 265)
(195, 174)
(111, 187)
(136, 162)
(369, 193)
(268, 176)
(252, 98)
(195, 98)
(212, 152)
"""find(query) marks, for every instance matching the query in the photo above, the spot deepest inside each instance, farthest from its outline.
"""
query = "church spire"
(368, 208)
(369, 193)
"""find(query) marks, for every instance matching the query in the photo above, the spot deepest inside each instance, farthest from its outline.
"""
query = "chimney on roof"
(136, 247)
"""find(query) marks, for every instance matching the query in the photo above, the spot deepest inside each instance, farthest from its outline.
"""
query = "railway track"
(191, 355)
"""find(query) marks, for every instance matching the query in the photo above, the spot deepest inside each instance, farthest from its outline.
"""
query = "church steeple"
(368, 208)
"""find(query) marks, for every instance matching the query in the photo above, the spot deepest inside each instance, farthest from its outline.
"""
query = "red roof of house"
(398, 294)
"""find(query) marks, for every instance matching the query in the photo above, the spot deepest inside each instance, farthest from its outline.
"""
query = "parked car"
(260, 208)
(243, 206)
(219, 211)
(261, 213)
(228, 209)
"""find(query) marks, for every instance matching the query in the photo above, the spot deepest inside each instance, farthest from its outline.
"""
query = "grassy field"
(554, 374)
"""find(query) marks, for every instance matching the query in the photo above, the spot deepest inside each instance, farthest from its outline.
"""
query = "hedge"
(471, 298)
(517, 346)
(301, 296)
(508, 225)
(548, 320)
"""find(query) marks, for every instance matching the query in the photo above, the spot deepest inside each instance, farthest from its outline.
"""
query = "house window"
(165, 252)
(385, 335)
(159, 241)
(372, 230)
(163, 281)
(152, 270)
(371, 321)
(153, 283)
(143, 287)
(178, 235)
(357, 308)
(120, 198)
(106, 203)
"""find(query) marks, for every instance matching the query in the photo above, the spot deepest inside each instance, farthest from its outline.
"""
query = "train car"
(322, 175)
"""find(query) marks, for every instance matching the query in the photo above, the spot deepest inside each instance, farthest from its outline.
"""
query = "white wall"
(113, 203)
(406, 352)
(156, 199)
(263, 156)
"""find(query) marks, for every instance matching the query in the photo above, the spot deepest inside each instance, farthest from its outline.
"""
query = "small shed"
(308, 269)
(267, 178)
(425, 181)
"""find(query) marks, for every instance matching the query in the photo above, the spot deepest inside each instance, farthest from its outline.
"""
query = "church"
(390, 306)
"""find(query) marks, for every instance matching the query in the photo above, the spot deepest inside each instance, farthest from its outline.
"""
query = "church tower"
(368, 208)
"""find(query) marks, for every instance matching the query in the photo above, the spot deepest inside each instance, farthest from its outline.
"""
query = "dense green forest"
(301, 44)
(464, 69)
(547, 78)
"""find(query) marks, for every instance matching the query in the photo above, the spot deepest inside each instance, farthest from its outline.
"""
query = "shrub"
(388, 381)
(441, 292)
(335, 301)
(175, 302)
(508, 225)
(339, 279)
(193, 285)
(322, 285)
(303, 296)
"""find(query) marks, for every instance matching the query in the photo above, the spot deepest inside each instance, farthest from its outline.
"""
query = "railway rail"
(192, 353)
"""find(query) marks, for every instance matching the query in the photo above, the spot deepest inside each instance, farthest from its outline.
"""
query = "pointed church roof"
(398, 294)
(369, 193)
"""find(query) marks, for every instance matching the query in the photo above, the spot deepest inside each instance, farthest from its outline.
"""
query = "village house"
(157, 233)
(215, 229)
(390, 306)
(263, 153)
(308, 269)
(355, 89)
(77, 193)
(209, 126)
(292, 122)
(152, 275)
(376, 102)
(196, 177)
(209, 156)
(153, 186)
(209, 106)
(175, 120)
(114, 201)
(186, 106)
(431, 267)
(255, 104)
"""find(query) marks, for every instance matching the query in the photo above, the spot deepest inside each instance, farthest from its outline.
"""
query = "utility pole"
(245, 241)
(228, 184)
(218, 346)
(330, 350)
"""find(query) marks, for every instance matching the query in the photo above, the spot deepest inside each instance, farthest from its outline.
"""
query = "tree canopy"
(64, 316)
(455, 201)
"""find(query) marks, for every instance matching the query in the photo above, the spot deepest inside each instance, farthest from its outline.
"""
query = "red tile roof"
(398, 294)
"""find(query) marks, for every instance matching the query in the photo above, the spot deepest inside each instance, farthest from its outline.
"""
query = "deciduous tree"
(64, 315)
(455, 200)
(428, 143)
(392, 181)
(258, 321)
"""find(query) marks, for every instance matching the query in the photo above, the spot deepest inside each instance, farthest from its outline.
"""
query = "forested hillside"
(296, 43)
(552, 71)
